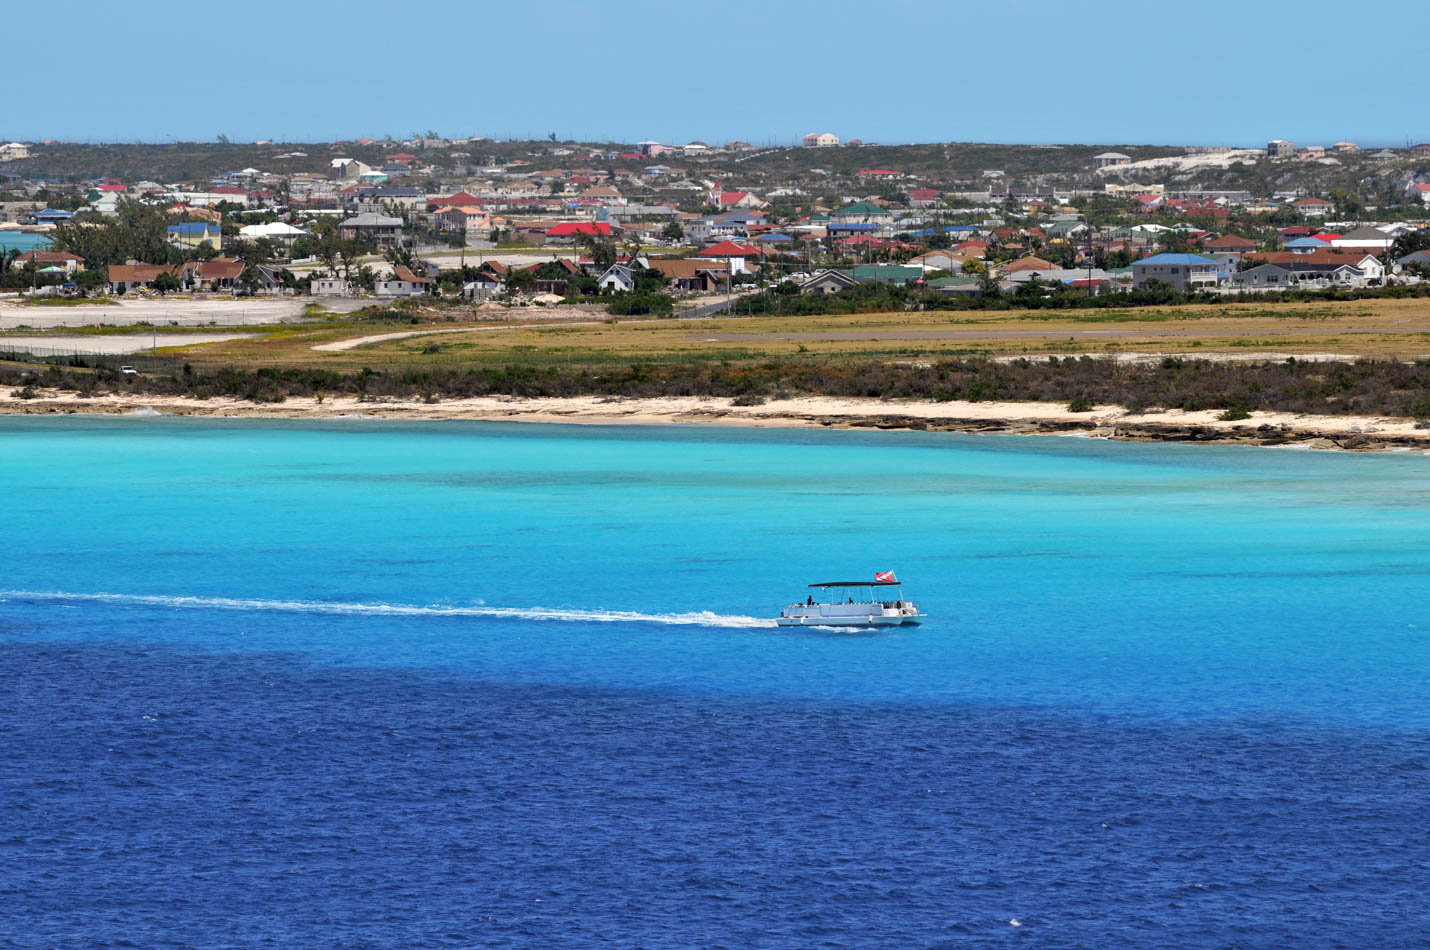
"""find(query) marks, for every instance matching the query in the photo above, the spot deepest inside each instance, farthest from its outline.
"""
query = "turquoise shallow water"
(377, 684)
(1144, 579)
(23, 241)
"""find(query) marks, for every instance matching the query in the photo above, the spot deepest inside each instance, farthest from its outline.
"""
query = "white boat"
(878, 603)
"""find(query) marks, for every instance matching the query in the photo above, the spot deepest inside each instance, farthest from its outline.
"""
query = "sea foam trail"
(700, 618)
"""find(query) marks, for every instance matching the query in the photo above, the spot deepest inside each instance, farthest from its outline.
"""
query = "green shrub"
(1080, 404)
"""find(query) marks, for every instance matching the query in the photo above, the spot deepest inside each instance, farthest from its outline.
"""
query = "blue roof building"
(51, 216)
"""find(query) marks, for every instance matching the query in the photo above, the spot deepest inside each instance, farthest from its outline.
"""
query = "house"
(828, 282)
(196, 234)
(862, 212)
(565, 232)
(923, 197)
(618, 278)
(269, 279)
(738, 256)
(372, 227)
(221, 273)
(1345, 147)
(14, 151)
(126, 277)
(1420, 151)
(277, 232)
(1366, 238)
(1416, 262)
(691, 275)
(1328, 267)
(403, 283)
(1110, 160)
(51, 216)
(1184, 272)
(462, 219)
(330, 287)
(484, 286)
(1028, 263)
(821, 140)
(349, 169)
(1280, 148)
(737, 199)
(1420, 191)
(1313, 207)
(69, 263)
(885, 274)
(1229, 244)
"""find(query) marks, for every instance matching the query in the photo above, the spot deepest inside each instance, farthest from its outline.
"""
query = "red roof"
(226, 190)
(112, 188)
(877, 171)
(566, 228)
(730, 249)
(923, 194)
(459, 199)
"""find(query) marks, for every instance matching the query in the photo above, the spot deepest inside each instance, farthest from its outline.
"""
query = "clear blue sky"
(892, 71)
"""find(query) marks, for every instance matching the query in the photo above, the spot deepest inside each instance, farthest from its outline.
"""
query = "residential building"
(69, 263)
(742, 258)
(618, 278)
(126, 277)
(828, 282)
(1184, 272)
(196, 234)
(862, 212)
(1313, 207)
(221, 273)
(566, 231)
(821, 140)
(1229, 244)
(330, 287)
(403, 283)
(370, 226)
(692, 275)
(14, 151)
(1364, 238)
(1110, 160)
(1280, 148)
(1345, 147)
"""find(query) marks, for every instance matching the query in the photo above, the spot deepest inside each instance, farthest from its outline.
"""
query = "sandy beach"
(1353, 433)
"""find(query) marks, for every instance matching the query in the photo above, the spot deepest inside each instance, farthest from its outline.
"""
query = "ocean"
(22, 241)
(400, 684)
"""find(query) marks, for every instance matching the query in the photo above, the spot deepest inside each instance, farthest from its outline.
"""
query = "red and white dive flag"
(885, 577)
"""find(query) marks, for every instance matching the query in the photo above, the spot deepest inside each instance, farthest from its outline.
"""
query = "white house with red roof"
(736, 199)
(742, 258)
(1420, 191)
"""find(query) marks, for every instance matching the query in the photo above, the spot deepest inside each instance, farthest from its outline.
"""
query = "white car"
(129, 371)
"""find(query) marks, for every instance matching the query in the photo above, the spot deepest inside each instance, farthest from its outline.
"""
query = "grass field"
(1370, 328)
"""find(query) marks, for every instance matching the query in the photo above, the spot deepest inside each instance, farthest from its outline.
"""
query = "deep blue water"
(407, 685)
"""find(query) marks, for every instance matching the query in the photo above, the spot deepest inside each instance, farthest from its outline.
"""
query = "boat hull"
(844, 618)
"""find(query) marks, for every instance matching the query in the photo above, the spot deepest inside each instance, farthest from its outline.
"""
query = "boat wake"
(699, 618)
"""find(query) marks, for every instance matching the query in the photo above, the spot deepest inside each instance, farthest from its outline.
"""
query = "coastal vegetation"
(1360, 387)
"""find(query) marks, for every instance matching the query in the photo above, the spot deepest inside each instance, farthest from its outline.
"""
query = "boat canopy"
(858, 584)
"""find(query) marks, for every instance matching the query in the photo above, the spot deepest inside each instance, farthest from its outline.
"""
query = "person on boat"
(809, 601)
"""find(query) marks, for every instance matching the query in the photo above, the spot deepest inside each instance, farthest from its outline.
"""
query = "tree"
(673, 232)
(1409, 243)
(89, 281)
(166, 282)
(601, 248)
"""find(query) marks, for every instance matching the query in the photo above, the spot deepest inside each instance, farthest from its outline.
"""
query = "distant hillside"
(819, 170)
